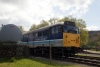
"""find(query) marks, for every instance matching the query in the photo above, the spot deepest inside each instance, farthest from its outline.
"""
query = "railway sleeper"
(85, 61)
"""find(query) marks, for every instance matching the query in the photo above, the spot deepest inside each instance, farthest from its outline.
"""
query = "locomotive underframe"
(55, 51)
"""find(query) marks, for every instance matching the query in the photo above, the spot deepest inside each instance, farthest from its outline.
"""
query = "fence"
(13, 50)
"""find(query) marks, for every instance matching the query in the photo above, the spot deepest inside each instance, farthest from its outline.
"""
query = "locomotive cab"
(71, 36)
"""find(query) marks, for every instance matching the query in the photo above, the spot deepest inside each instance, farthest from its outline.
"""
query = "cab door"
(52, 33)
(59, 32)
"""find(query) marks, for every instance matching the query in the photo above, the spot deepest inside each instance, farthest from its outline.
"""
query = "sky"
(27, 12)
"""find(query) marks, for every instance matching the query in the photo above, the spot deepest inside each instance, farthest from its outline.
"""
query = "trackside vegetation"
(33, 62)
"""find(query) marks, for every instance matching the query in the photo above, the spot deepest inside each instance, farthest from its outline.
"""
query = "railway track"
(90, 53)
(87, 60)
(95, 53)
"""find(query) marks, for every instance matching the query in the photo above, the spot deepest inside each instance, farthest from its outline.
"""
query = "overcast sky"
(28, 12)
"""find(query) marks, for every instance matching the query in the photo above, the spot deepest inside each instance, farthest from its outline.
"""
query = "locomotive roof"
(43, 28)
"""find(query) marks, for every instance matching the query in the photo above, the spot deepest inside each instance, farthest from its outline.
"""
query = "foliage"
(99, 36)
(42, 24)
(33, 27)
(83, 32)
(94, 39)
(22, 29)
(52, 21)
(32, 62)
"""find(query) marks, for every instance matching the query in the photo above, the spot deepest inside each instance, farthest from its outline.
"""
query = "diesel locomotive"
(63, 38)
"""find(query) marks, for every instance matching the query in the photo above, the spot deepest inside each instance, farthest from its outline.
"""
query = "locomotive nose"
(71, 40)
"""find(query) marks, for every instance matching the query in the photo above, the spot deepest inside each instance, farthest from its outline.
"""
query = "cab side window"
(52, 30)
(30, 37)
(36, 34)
(39, 34)
(56, 29)
(45, 32)
(60, 28)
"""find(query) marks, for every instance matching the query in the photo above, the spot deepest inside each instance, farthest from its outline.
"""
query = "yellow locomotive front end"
(71, 40)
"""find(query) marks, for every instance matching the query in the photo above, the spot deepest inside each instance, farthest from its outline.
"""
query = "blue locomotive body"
(43, 35)
(61, 36)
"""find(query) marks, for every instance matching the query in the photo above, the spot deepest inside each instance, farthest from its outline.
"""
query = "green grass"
(27, 62)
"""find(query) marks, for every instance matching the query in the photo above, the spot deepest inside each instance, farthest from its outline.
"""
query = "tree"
(43, 23)
(22, 29)
(64, 19)
(69, 18)
(83, 31)
(52, 21)
(98, 36)
(33, 27)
